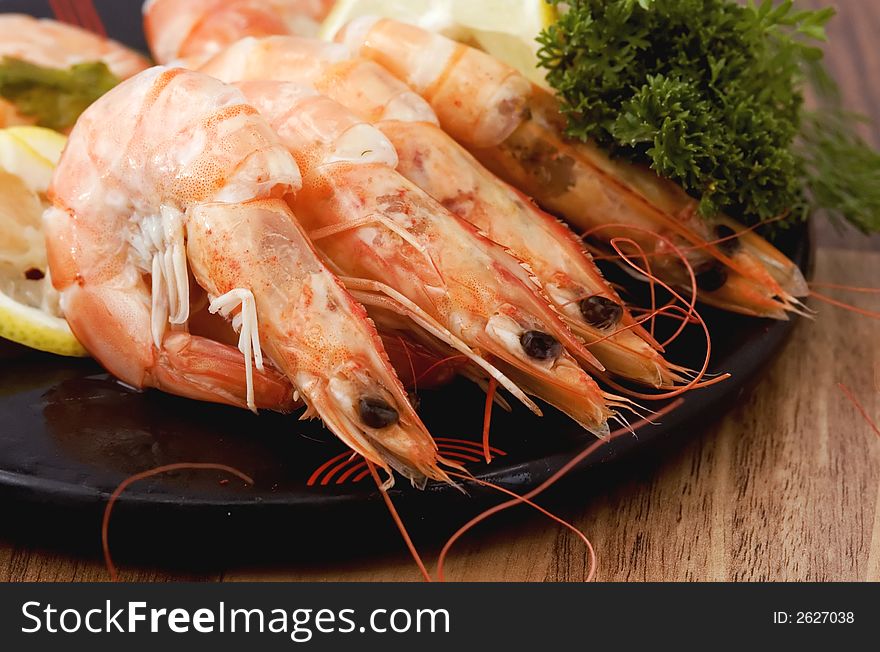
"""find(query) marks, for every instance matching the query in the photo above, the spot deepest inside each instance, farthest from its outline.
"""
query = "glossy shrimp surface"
(384, 232)
(172, 187)
(436, 163)
(360, 85)
(197, 29)
(517, 131)
(50, 44)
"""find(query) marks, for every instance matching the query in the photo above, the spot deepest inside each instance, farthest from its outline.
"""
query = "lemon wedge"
(506, 29)
(29, 310)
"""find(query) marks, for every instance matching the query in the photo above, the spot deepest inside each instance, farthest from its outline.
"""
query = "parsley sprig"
(710, 94)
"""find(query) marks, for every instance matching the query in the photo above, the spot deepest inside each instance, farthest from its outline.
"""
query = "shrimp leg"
(183, 364)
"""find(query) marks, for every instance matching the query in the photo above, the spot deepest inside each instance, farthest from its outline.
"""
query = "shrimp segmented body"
(516, 130)
(50, 44)
(436, 163)
(361, 85)
(173, 178)
(195, 30)
(381, 231)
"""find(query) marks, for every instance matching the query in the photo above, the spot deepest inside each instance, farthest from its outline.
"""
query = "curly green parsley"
(710, 94)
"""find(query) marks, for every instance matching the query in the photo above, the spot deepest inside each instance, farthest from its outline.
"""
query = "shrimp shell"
(195, 30)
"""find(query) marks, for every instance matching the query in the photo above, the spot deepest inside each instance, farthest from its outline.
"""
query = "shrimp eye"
(540, 346)
(601, 312)
(376, 413)
(730, 241)
(711, 277)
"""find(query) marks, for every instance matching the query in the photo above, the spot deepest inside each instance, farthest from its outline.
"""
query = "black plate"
(70, 433)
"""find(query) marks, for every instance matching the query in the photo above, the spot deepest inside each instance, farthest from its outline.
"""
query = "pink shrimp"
(401, 250)
(516, 130)
(197, 29)
(171, 177)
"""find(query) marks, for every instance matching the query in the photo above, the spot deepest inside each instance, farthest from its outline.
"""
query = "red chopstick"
(81, 13)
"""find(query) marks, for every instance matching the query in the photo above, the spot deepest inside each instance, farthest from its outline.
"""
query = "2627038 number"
(808, 617)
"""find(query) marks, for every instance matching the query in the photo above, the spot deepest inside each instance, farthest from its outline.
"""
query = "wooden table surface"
(785, 487)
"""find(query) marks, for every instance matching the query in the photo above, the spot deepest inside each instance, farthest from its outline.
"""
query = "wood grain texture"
(785, 487)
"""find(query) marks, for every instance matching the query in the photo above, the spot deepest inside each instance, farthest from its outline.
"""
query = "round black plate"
(70, 433)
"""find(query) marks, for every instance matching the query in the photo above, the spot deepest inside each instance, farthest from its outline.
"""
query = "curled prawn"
(516, 129)
(436, 163)
(168, 203)
(402, 252)
(50, 44)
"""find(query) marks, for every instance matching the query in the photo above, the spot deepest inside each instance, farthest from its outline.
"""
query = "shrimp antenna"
(412, 367)
(870, 314)
(517, 499)
(848, 288)
(848, 393)
(399, 521)
(689, 311)
(144, 475)
(528, 497)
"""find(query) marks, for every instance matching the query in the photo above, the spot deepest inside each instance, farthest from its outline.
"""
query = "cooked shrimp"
(196, 29)
(438, 165)
(358, 84)
(173, 173)
(51, 44)
(392, 240)
(517, 131)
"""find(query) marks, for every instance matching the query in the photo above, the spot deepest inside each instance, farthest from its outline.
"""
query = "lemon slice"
(29, 310)
(37, 329)
(506, 29)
